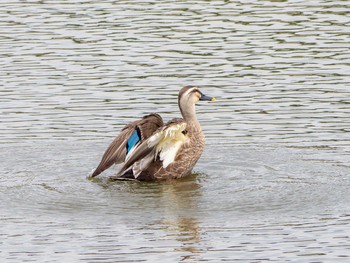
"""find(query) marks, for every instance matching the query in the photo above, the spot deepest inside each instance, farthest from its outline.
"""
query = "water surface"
(273, 183)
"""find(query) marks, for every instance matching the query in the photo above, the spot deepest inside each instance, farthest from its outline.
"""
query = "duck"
(150, 150)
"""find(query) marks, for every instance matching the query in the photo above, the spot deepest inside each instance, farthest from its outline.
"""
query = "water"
(273, 183)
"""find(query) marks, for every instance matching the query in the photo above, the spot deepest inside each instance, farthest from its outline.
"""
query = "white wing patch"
(168, 142)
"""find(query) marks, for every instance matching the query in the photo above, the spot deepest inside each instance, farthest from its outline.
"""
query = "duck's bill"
(207, 98)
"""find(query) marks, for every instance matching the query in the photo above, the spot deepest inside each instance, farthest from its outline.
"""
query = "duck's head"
(188, 97)
(192, 94)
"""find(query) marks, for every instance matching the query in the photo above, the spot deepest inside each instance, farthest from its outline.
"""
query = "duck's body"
(150, 150)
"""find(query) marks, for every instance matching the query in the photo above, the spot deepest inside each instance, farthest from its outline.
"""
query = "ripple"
(74, 69)
(273, 182)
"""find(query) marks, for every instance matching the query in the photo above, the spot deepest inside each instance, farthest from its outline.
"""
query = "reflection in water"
(187, 232)
(181, 206)
(170, 207)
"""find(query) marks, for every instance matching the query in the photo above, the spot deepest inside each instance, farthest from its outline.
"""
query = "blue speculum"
(133, 139)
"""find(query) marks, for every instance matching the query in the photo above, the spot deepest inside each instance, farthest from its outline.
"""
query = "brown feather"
(116, 151)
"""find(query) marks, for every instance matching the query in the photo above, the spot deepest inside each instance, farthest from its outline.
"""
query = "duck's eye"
(184, 132)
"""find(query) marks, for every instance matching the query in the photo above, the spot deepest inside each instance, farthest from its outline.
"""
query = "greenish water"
(273, 183)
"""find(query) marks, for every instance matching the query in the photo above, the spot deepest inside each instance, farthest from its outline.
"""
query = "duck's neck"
(189, 113)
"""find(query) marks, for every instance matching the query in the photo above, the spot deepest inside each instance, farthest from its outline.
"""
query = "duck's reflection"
(180, 216)
(187, 232)
(172, 209)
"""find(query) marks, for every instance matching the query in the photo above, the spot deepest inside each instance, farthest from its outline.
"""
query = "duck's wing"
(132, 135)
(164, 143)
